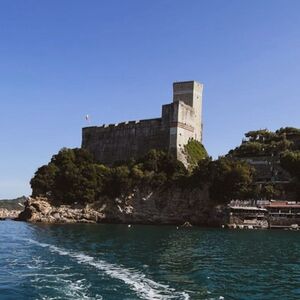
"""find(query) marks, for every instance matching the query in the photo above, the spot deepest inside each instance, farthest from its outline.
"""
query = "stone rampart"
(120, 142)
(180, 122)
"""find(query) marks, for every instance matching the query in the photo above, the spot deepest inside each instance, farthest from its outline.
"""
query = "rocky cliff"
(169, 206)
(8, 213)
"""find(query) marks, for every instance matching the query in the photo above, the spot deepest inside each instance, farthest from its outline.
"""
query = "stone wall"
(180, 121)
(120, 142)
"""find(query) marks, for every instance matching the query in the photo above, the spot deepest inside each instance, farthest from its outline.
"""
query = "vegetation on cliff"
(290, 161)
(195, 152)
(226, 178)
(266, 143)
(280, 150)
(72, 176)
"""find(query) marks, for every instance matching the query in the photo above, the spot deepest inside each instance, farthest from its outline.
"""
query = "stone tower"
(184, 116)
(180, 122)
(190, 92)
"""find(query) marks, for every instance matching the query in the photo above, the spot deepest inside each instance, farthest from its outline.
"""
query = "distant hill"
(13, 203)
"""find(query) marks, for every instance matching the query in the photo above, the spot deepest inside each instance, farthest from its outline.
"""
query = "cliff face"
(40, 210)
(170, 206)
(8, 213)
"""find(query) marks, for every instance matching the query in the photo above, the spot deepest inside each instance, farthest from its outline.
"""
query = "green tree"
(227, 178)
(43, 181)
(71, 176)
(195, 152)
(118, 181)
(290, 161)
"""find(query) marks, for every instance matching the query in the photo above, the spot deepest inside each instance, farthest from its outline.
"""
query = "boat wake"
(144, 287)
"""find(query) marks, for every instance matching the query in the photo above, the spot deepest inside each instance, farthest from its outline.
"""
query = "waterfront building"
(283, 213)
(248, 217)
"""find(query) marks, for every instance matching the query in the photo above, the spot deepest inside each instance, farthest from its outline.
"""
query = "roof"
(283, 204)
(248, 208)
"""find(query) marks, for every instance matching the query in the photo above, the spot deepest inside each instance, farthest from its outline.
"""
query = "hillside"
(264, 142)
(275, 157)
(13, 203)
(265, 166)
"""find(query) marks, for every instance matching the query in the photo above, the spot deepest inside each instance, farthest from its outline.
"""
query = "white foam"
(63, 287)
(144, 287)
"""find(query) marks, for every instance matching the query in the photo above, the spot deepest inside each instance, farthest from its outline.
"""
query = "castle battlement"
(126, 124)
(180, 122)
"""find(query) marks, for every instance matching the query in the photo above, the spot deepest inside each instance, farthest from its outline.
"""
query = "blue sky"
(116, 61)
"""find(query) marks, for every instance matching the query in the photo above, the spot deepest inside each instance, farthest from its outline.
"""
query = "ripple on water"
(137, 281)
(146, 262)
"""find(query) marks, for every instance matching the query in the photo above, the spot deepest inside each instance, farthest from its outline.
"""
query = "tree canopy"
(264, 142)
(73, 176)
(226, 178)
(195, 152)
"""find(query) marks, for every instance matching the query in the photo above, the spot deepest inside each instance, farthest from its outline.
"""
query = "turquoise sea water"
(146, 262)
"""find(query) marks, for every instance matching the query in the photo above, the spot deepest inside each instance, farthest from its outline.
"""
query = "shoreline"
(139, 211)
(40, 210)
(9, 214)
(176, 225)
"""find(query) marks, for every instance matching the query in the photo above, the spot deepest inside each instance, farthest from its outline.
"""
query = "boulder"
(40, 210)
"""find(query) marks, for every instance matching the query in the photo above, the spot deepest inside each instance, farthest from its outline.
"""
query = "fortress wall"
(185, 129)
(186, 114)
(180, 118)
(119, 142)
(169, 119)
(181, 121)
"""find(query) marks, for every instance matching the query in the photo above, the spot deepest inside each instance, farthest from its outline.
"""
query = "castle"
(180, 122)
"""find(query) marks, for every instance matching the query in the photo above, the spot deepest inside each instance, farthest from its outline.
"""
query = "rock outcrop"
(8, 213)
(40, 210)
(169, 206)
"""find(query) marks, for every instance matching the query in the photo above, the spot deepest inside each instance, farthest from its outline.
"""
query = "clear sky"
(116, 61)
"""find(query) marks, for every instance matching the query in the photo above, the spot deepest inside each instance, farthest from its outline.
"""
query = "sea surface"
(146, 262)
